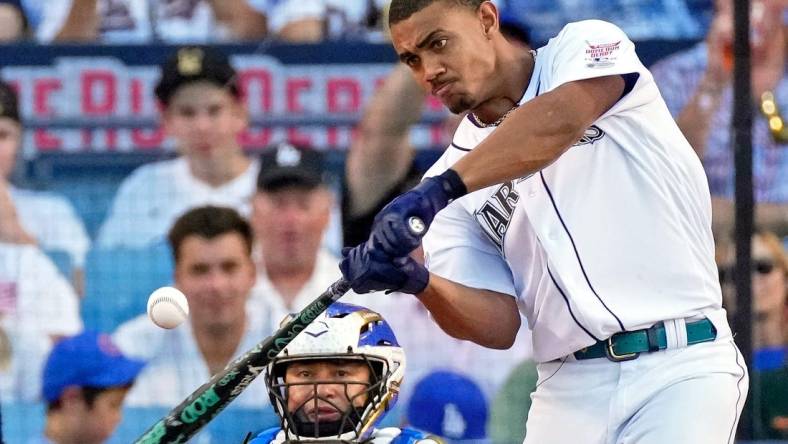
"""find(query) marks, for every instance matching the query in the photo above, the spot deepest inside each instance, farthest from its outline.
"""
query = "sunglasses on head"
(760, 266)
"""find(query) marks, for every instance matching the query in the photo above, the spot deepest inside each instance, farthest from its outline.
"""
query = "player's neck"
(218, 168)
(515, 69)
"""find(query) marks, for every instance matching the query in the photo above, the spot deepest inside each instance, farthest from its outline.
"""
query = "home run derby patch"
(602, 55)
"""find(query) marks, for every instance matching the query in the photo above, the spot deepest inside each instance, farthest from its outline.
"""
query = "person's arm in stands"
(381, 154)
(695, 118)
(82, 22)
(243, 21)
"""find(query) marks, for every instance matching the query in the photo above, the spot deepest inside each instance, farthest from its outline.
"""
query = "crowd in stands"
(255, 237)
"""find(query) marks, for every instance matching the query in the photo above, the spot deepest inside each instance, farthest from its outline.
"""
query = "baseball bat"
(185, 420)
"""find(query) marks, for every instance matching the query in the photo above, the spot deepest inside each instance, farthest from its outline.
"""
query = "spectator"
(26, 216)
(213, 267)
(86, 379)
(37, 307)
(142, 21)
(13, 22)
(449, 405)
(697, 87)
(290, 215)
(203, 112)
(769, 332)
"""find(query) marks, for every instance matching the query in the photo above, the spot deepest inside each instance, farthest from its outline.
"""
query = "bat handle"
(416, 226)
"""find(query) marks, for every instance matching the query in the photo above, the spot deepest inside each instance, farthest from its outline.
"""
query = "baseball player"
(568, 190)
(336, 381)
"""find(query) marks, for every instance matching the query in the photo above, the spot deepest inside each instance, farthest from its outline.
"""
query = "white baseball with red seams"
(168, 307)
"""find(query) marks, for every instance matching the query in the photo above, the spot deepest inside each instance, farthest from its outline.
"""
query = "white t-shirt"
(140, 21)
(51, 219)
(615, 235)
(175, 366)
(36, 304)
(150, 200)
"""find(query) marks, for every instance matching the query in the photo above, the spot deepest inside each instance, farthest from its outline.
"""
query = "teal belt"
(628, 345)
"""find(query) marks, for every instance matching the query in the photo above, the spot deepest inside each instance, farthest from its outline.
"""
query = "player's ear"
(488, 14)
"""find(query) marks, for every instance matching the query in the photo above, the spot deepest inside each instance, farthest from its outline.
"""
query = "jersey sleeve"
(589, 49)
(455, 248)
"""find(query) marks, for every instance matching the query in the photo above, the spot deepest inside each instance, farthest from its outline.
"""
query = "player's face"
(10, 139)
(216, 275)
(205, 120)
(97, 422)
(289, 224)
(347, 385)
(448, 50)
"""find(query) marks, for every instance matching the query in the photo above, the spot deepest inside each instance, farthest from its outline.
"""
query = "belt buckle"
(613, 356)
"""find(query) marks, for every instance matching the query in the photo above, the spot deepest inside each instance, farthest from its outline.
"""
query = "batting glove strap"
(368, 271)
(391, 233)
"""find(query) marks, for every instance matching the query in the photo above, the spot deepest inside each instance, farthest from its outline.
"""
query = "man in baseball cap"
(203, 112)
(86, 379)
(290, 215)
(191, 64)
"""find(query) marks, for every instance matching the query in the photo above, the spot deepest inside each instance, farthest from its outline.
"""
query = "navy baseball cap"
(88, 359)
(289, 165)
(451, 406)
(194, 63)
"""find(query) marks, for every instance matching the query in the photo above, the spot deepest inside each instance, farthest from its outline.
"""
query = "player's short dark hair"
(89, 394)
(402, 9)
(208, 222)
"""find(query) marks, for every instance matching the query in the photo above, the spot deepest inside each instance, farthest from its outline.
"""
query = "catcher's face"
(325, 390)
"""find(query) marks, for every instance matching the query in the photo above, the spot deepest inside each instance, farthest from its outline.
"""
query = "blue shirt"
(389, 435)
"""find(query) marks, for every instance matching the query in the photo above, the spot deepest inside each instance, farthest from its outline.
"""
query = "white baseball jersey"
(36, 305)
(150, 200)
(615, 235)
(52, 220)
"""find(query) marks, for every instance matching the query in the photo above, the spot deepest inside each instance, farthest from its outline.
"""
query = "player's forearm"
(537, 133)
(487, 318)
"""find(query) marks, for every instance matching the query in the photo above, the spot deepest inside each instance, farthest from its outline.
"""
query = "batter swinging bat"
(185, 420)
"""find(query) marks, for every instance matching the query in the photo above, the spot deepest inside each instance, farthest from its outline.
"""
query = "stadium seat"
(118, 282)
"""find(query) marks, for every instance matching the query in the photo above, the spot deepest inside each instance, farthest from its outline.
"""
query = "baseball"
(167, 307)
